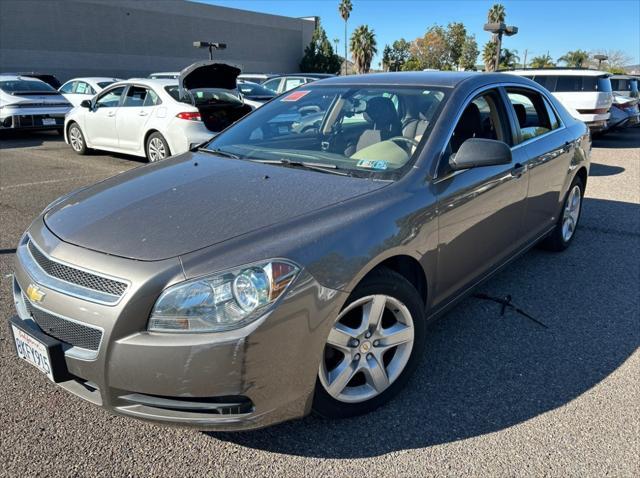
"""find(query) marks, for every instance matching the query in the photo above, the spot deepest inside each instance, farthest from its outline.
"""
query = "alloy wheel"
(571, 213)
(75, 138)
(367, 349)
(157, 149)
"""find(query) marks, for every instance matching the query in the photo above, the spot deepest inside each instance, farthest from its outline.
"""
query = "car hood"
(190, 202)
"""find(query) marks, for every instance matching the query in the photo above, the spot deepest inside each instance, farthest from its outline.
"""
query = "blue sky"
(555, 26)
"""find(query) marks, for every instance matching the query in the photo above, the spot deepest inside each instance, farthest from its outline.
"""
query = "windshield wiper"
(322, 167)
(219, 152)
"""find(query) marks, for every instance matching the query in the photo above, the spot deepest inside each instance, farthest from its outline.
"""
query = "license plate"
(33, 351)
(48, 121)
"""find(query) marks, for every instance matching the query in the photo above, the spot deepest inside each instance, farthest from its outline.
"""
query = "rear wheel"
(372, 348)
(564, 232)
(157, 148)
(76, 139)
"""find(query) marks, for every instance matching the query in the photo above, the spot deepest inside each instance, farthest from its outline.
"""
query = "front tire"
(565, 230)
(157, 148)
(76, 139)
(373, 347)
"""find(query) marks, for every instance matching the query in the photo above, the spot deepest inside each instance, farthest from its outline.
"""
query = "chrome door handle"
(518, 170)
(143, 113)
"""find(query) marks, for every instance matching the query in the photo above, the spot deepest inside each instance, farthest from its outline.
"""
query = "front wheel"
(76, 139)
(564, 232)
(157, 148)
(373, 347)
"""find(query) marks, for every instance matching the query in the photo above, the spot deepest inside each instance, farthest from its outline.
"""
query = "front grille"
(66, 331)
(76, 276)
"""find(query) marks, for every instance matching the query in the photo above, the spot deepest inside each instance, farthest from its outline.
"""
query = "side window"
(67, 87)
(111, 98)
(291, 83)
(272, 84)
(484, 117)
(136, 96)
(554, 121)
(90, 90)
(81, 88)
(531, 113)
(151, 99)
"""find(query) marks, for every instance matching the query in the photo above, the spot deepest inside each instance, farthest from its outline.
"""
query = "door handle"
(111, 113)
(142, 113)
(518, 170)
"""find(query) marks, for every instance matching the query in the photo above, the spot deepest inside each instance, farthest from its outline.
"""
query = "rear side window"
(136, 96)
(151, 99)
(532, 113)
(83, 88)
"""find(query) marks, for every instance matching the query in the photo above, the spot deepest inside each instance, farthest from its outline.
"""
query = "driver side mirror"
(477, 152)
(85, 104)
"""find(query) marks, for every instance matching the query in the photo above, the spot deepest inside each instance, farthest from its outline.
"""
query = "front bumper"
(249, 378)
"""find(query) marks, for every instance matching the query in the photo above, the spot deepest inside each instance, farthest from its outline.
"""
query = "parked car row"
(602, 101)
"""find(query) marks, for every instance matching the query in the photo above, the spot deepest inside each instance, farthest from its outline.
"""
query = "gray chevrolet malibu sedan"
(292, 263)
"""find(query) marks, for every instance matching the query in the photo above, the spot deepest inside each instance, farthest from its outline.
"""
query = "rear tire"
(565, 230)
(367, 361)
(76, 139)
(157, 148)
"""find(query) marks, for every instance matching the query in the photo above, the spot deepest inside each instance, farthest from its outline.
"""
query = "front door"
(100, 120)
(480, 209)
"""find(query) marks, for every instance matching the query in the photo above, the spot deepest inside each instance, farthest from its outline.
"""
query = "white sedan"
(79, 89)
(157, 118)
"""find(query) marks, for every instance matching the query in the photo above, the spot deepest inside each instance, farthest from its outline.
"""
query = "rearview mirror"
(477, 152)
(86, 104)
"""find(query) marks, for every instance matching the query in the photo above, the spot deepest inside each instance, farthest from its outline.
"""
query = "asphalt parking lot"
(495, 396)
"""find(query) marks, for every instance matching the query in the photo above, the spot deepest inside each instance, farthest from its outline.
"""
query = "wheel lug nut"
(357, 357)
(367, 335)
(369, 356)
(354, 343)
(376, 343)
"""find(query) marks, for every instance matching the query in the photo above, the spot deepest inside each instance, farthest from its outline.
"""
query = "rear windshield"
(19, 86)
(573, 83)
(624, 84)
(104, 84)
(205, 96)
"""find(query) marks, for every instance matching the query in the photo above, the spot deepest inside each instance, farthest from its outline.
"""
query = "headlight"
(224, 301)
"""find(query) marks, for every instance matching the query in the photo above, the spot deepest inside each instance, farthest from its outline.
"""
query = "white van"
(587, 94)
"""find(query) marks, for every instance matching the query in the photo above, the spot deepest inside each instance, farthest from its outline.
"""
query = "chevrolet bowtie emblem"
(35, 293)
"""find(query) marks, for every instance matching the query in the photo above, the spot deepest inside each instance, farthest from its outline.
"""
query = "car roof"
(444, 79)
(559, 72)
(151, 82)
(95, 79)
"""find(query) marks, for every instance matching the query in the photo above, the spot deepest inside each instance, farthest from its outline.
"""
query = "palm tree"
(496, 13)
(363, 48)
(489, 56)
(509, 58)
(542, 61)
(345, 8)
(575, 59)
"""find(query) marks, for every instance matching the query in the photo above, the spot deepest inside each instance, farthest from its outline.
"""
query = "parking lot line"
(49, 181)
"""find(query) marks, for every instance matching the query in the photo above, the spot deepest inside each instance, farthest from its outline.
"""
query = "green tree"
(489, 55)
(469, 54)
(509, 58)
(542, 61)
(345, 8)
(412, 64)
(319, 56)
(363, 48)
(456, 35)
(496, 14)
(575, 59)
(396, 55)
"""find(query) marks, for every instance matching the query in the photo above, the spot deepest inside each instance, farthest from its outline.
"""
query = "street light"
(600, 59)
(499, 29)
(211, 46)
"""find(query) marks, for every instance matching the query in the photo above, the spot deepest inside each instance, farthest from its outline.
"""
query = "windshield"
(360, 131)
(204, 96)
(20, 86)
(253, 89)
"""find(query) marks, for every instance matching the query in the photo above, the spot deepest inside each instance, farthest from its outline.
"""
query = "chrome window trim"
(471, 97)
(74, 290)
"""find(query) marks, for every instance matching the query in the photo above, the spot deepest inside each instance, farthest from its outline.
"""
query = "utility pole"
(499, 29)
(524, 65)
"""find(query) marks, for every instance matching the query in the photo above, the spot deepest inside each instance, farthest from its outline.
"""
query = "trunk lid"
(208, 74)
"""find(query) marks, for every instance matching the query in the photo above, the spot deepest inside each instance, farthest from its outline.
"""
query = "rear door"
(480, 210)
(137, 108)
(547, 148)
(100, 120)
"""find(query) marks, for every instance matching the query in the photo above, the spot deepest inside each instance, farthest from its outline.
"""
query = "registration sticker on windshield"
(380, 165)
(295, 95)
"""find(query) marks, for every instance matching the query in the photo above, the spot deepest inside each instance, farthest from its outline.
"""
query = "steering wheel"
(404, 139)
